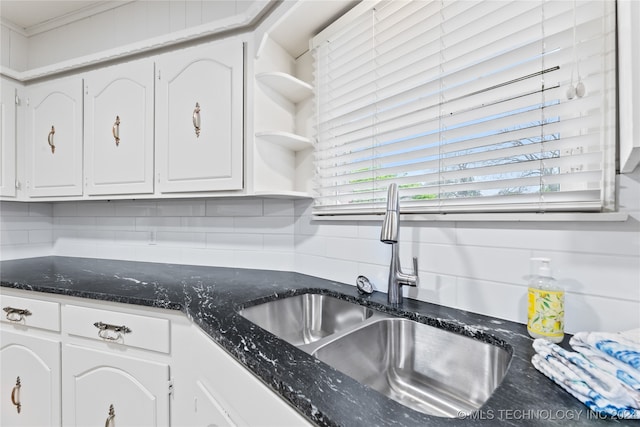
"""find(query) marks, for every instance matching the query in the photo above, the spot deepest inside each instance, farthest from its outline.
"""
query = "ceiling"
(28, 15)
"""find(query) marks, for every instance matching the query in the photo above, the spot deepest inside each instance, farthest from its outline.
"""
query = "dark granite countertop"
(212, 296)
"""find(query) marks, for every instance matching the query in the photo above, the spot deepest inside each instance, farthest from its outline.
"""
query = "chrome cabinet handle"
(115, 130)
(15, 395)
(16, 314)
(111, 332)
(196, 119)
(50, 139)
(112, 415)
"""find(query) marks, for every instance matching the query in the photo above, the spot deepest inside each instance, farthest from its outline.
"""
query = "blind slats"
(465, 106)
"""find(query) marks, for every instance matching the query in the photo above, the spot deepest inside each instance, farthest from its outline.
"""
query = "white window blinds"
(467, 105)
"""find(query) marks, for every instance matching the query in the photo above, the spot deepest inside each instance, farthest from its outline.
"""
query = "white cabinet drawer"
(150, 333)
(41, 314)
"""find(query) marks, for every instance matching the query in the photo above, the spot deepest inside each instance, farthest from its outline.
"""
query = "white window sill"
(496, 217)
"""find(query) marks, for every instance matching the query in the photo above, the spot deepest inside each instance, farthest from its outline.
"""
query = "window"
(470, 106)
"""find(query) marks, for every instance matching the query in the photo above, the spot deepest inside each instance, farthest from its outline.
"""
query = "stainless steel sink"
(307, 318)
(425, 368)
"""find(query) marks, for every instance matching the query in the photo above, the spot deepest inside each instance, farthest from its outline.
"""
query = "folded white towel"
(599, 389)
(619, 346)
(623, 371)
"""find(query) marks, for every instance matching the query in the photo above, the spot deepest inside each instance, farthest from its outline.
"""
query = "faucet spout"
(390, 235)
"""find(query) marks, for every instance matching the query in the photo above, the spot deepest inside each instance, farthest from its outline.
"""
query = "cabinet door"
(118, 129)
(36, 362)
(54, 138)
(199, 118)
(7, 138)
(208, 411)
(99, 386)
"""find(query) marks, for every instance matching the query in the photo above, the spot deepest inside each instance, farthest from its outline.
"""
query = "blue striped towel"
(599, 373)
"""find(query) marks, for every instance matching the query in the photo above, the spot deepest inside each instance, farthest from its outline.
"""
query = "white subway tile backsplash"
(25, 223)
(41, 209)
(99, 208)
(208, 257)
(264, 224)
(278, 242)
(116, 223)
(603, 238)
(13, 209)
(311, 245)
(25, 251)
(74, 223)
(65, 209)
(492, 299)
(234, 241)
(40, 236)
(473, 266)
(185, 208)
(593, 313)
(136, 208)
(282, 261)
(14, 237)
(208, 224)
(158, 224)
(599, 275)
(133, 237)
(189, 240)
(234, 207)
(278, 207)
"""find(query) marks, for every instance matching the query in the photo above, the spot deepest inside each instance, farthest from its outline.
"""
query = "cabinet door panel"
(55, 116)
(208, 411)
(200, 86)
(7, 139)
(37, 362)
(123, 93)
(94, 380)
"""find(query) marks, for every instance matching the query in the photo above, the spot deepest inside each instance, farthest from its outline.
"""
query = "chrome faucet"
(389, 234)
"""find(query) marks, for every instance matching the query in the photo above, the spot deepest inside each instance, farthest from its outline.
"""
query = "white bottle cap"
(541, 267)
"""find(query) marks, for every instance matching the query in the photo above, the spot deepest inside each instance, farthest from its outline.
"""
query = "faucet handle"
(415, 265)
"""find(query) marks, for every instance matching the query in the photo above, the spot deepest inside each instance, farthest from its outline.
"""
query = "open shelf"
(286, 139)
(294, 89)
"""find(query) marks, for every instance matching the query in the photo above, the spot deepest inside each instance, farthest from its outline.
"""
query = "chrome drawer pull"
(110, 419)
(15, 395)
(115, 130)
(16, 314)
(111, 332)
(196, 119)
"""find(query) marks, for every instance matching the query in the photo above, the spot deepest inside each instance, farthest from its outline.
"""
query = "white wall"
(476, 266)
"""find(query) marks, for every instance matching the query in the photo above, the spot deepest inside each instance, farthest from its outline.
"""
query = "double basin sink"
(425, 368)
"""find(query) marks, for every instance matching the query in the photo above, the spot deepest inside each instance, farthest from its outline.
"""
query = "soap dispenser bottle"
(546, 303)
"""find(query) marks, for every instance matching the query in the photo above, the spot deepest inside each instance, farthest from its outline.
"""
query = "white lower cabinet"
(218, 391)
(29, 380)
(103, 388)
(78, 367)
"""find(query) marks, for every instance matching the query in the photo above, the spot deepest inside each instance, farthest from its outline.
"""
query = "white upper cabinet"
(8, 138)
(54, 138)
(118, 129)
(199, 118)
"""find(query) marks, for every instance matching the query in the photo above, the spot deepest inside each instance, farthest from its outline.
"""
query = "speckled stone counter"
(211, 297)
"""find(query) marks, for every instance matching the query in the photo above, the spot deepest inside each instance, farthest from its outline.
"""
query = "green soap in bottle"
(546, 303)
